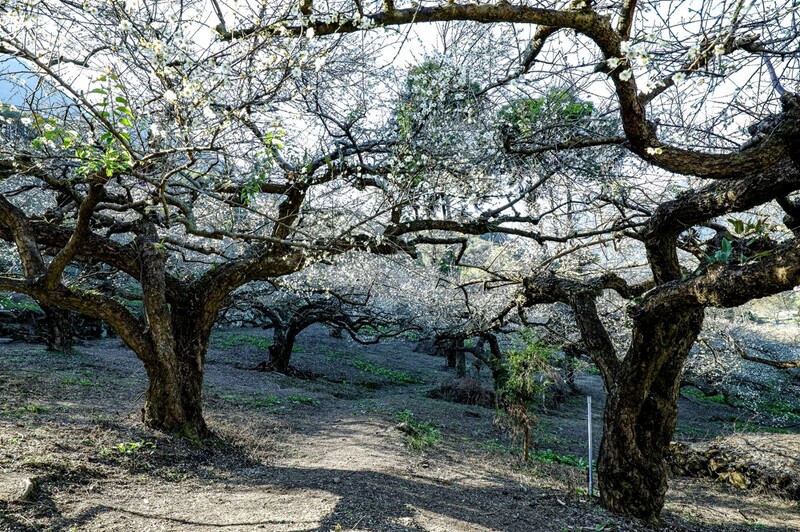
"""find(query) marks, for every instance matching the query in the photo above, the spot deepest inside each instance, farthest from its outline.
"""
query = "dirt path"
(321, 454)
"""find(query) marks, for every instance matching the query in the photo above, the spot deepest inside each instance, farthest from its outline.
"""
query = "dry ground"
(313, 454)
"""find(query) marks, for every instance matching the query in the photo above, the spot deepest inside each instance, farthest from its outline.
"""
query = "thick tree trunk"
(641, 413)
(174, 397)
(179, 336)
(60, 328)
(280, 352)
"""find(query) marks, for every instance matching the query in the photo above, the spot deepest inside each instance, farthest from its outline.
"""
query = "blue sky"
(10, 91)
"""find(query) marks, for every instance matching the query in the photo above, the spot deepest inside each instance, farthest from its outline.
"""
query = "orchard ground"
(321, 450)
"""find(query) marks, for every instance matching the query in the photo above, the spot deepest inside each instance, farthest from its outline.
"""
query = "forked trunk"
(179, 335)
(640, 416)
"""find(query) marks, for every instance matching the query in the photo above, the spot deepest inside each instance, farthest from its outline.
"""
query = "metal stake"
(589, 425)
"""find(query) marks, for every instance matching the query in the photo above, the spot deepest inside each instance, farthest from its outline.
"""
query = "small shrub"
(419, 434)
(527, 372)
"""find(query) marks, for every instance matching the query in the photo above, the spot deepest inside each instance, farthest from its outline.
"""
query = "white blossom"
(170, 96)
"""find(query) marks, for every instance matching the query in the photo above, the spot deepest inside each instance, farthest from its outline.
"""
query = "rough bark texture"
(280, 352)
(60, 329)
(641, 413)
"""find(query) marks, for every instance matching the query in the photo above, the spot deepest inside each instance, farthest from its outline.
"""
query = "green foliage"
(109, 155)
(20, 303)
(133, 447)
(523, 118)
(419, 434)
(396, 376)
(780, 409)
(32, 409)
(273, 142)
(526, 371)
(548, 456)
(723, 254)
(700, 396)
(496, 446)
(83, 381)
(302, 400)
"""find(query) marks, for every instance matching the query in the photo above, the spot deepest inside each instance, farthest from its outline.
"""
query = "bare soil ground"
(315, 453)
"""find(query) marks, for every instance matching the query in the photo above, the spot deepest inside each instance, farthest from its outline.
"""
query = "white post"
(589, 425)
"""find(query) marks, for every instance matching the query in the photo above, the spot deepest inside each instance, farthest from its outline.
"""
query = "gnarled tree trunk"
(60, 328)
(179, 337)
(280, 352)
(641, 413)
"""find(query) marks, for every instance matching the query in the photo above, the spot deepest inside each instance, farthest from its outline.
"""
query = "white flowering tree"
(685, 83)
(191, 148)
(170, 163)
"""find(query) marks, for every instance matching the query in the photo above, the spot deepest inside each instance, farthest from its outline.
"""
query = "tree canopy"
(183, 150)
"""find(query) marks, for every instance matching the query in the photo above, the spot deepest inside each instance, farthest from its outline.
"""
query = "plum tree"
(191, 148)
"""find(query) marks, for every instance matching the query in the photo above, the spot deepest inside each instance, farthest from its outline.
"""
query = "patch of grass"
(83, 381)
(548, 456)
(396, 376)
(367, 407)
(779, 409)
(302, 400)
(694, 393)
(335, 355)
(419, 434)
(19, 303)
(592, 370)
(239, 340)
(31, 409)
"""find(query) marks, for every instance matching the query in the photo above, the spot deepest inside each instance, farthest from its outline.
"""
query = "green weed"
(31, 409)
(496, 446)
(694, 393)
(548, 456)
(419, 434)
(302, 400)
(133, 447)
(83, 381)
